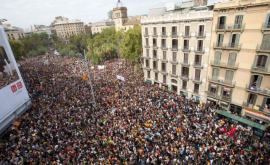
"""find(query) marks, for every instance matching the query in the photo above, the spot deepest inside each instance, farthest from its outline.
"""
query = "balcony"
(155, 58)
(163, 59)
(223, 64)
(155, 34)
(228, 83)
(163, 34)
(200, 34)
(163, 71)
(230, 28)
(198, 65)
(174, 35)
(173, 61)
(184, 63)
(260, 70)
(164, 47)
(260, 91)
(226, 98)
(184, 77)
(186, 49)
(266, 26)
(147, 68)
(174, 47)
(263, 48)
(196, 80)
(146, 57)
(173, 74)
(213, 95)
(147, 46)
(155, 46)
(199, 50)
(145, 34)
(196, 91)
(260, 111)
(184, 87)
(186, 34)
(155, 69)
(230, 46)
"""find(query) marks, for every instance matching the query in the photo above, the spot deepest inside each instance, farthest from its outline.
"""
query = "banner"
(120, 78)
(13, 93)
(101, 67)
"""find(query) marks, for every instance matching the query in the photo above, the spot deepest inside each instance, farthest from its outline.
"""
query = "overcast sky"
(23, 13)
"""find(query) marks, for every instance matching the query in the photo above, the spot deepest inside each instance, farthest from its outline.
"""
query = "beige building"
(176, 46)
(121, 19)
(12, 32)
(64, 28)
(97, 27)
(239, 72)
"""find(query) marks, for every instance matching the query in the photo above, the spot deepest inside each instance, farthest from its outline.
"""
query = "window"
(163, 30)
(185, 58)
(186, 44)
(147, 63)
(155, 30)
(213, 88)
(164, 55)
(267, 21)
(146, 31)
(147, 42)
(185, 71)
(232, 59)
(252, 99)
(238, 21)
(184, 84)
(148, 74)
(198, 60)
(163, 65)
(255, 82)
(174, 31)
(174, 56)
(163, 42)
(261, 61)
(266, 42)
(220, 40)
(215, 73)
(174, 69)
(234, 40)
(197, 74)
(200, 45)
(164, 79)
(155, 65)
(229, 76)
(221, 22)
(154, 42)
(187, 30)
(217, 57)
(196, 88)
(156, 76)
(225, 93)
(147, 52)
(174, 44)
(155, 53)
(174, 81)
(201, 30)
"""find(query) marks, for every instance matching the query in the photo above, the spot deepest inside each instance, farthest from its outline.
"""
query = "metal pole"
(92, 92)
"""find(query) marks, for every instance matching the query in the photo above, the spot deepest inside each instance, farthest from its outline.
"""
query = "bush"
(41, 50)
(32, 53)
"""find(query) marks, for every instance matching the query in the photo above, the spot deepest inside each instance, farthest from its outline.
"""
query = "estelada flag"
(223, 130)
(231, 132)
(84, 77)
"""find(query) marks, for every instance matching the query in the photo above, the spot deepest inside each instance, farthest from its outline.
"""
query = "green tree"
(64, 51)
(32, 53)
(41, 50)
(18, 49)
(131, 46)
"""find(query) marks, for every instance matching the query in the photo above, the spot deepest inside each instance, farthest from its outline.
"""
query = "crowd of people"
(130, 121)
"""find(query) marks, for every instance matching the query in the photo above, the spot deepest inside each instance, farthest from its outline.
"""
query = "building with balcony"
(64, 28)
(12, 32)
(176, 46)
(239, 57)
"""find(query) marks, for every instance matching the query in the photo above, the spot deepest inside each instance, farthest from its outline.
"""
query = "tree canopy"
(18, 49)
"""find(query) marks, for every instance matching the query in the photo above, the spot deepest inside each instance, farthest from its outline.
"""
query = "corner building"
(239, 73)
(176, 46)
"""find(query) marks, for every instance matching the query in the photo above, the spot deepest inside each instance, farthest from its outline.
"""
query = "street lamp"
(2, 20)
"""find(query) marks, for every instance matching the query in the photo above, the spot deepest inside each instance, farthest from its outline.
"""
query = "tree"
(131, 47)
(41, 50)
(64, 51)
(32, 53)
(18, 49)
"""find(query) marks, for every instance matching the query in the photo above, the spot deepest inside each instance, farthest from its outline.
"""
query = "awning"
(242, 120)
(257, 114)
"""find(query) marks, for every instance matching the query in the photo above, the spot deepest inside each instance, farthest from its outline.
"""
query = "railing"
(184, 76)
(164, 59)
(218, 44)
(164, 34)
(147, 56)
(258, 90)
(155, 57)
(196, 91)
(146, 34)
(197, 65)
(174, 74)
(196, 80)
(200, 34)
(174, 34)
(175, 47)
(261, 108)
(186, 34)
(174, 61)
(154, 45)
(186, 48)
(266, 26)
(260, 69)
(155, 34)
(199, 50)
(147, 46)
(212, 94)
(230, 27)
(163, 46)
(147, 67)
(263, 47)
(184, 63)
(155, 68)
(163, 71)
(222, 82)
(226, 98)
(234, 45)
(224, 64)
(184, 87)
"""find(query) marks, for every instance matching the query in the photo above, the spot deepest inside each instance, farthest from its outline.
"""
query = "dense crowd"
(132, 122)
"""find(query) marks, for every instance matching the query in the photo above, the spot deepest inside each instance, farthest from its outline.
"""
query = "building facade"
(97, 27)
(64, 28)
(239, 72)
(176, 46)
(12, 32)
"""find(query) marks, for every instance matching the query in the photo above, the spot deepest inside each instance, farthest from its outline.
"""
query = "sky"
(23, 13)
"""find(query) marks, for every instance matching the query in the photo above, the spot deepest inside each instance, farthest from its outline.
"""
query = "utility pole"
(90, 82)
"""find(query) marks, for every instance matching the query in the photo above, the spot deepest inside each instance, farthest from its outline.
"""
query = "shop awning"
(149, 81)
(242, 120)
